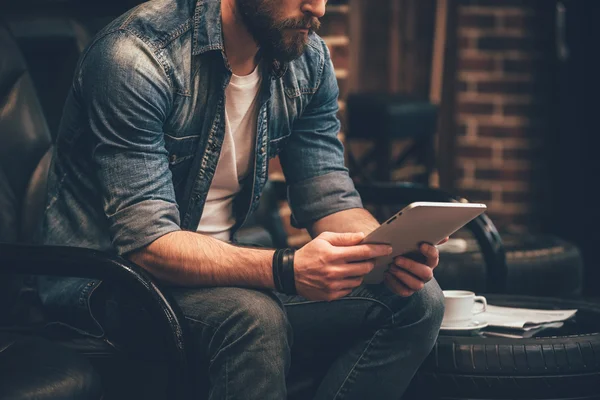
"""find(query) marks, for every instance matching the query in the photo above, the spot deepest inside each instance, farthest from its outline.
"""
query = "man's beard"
(276, 38)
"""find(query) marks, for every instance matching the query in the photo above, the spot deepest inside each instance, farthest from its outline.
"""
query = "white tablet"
(418, 222)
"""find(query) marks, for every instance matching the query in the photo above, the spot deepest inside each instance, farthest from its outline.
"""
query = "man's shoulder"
(156, 23)
(315, 57)
(142, 40)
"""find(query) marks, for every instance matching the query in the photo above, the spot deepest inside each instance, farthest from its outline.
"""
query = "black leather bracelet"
(288, 278)
(283, 271)
(277, 271)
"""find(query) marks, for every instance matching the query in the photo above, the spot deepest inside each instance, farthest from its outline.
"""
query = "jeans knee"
(257, 320)
(429, 304)
(264, 317)
(435, 298)
(236, 329)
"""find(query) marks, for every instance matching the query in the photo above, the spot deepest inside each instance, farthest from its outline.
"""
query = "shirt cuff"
(318, 197)
(139, 225)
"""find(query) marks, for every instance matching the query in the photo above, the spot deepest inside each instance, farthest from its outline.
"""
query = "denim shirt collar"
(208, 33)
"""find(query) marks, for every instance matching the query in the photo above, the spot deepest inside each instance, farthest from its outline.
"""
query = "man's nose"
(315, 8)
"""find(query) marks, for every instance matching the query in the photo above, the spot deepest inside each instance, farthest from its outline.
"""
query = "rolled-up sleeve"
(313, 158)
(126, 95)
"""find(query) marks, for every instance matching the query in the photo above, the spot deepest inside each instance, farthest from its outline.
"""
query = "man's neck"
(240, 46)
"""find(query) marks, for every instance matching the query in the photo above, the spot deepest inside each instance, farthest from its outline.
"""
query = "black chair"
(383, 118)
(25, 153)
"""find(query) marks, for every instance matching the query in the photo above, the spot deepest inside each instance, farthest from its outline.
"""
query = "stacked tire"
(549, 368)
(538, 265)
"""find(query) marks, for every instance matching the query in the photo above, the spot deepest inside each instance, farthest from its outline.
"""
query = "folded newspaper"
(519, 333)
(522, 318)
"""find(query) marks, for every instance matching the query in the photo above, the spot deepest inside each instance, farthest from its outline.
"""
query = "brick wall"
(500, 108)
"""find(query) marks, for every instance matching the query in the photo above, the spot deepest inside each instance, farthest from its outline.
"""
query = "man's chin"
(288, 56)
(290, 51)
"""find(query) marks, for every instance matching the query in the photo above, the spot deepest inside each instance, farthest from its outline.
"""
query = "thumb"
(342, 239)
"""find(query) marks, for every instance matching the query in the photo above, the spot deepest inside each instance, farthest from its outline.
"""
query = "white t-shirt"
(237, 155)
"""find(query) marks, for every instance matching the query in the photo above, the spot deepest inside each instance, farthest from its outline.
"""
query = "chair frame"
(25, 259)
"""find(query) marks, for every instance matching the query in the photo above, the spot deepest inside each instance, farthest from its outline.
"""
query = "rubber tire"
(528, 257)
(485, 368)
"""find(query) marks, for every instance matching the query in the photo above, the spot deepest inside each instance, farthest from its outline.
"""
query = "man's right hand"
(331, 265)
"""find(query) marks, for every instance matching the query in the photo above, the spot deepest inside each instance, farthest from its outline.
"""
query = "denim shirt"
(143, 126)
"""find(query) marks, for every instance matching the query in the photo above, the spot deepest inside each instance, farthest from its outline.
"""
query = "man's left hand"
(407, 276)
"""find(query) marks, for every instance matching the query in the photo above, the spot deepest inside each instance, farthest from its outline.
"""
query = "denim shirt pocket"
(181, 154)
(303, 77)
(293, 91)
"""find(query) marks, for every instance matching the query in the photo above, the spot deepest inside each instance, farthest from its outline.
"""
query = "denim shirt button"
(173, 158)
(256, 198)
(262, 150)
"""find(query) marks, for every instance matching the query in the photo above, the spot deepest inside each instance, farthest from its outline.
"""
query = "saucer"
(470, 326)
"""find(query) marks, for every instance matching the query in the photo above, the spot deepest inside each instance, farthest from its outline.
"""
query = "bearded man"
(175, 109)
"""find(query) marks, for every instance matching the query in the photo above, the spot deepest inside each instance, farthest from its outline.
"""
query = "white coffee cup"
(459, 307)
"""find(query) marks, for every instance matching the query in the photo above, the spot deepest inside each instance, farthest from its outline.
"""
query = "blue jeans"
(246, 340)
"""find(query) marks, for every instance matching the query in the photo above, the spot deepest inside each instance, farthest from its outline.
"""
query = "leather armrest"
(68, 261)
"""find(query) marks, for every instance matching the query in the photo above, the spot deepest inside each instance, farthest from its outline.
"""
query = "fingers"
(350, 270)
(406, 278)
(421, 271)
(342, 239)
(363, 252)
(342, 288)
(396, 286)
(431, 253)
(341, 294)
(349, 284)
(428, 256)
(358, 269)
(343, 284)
